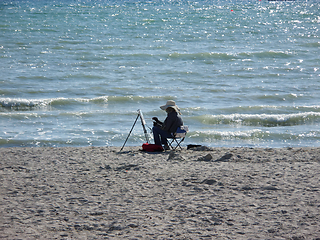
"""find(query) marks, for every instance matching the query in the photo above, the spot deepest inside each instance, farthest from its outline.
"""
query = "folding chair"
(178, 137)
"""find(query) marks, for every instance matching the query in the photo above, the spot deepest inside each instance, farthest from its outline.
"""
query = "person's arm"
(155, 119)
(157, 122)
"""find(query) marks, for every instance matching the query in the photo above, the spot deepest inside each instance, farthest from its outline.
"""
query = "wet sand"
(204, 193)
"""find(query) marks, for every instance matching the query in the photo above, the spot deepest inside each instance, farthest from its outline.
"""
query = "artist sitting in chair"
(163, 130)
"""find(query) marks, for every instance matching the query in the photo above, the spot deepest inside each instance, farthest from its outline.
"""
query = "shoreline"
(205, 193)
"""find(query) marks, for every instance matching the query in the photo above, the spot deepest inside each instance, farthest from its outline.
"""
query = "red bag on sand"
(151, 147)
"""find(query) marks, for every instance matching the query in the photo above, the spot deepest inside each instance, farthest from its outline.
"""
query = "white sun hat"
(172, 104)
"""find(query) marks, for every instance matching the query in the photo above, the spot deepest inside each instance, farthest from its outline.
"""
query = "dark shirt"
(172, 122)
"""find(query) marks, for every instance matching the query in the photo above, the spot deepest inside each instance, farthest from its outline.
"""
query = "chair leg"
(177, 143)
(170, 143)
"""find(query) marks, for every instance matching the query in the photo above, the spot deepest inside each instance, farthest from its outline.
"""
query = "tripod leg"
(130, 132)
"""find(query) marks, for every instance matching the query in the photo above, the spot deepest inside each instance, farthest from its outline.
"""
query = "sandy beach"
(203, 193)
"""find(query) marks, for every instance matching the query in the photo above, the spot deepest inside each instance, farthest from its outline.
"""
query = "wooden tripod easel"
(143, 122)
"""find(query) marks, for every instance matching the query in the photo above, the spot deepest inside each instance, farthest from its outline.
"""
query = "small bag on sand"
(151, 147)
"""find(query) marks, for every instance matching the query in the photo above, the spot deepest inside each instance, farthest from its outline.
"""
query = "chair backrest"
(181, 131)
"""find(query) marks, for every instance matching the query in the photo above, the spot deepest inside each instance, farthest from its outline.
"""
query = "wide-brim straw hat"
(172, 104)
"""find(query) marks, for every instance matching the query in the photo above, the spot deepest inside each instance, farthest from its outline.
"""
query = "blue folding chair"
(178, 137)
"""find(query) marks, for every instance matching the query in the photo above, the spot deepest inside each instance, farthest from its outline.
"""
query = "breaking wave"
(19, 104)
(208, 55)
(265, 120)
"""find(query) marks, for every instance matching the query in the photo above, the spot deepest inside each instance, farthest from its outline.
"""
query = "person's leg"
(160, 136)
(156, 135)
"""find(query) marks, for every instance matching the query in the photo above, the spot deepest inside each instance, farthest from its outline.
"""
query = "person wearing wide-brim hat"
(163, 130)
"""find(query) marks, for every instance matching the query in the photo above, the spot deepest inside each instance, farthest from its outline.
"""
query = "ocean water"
(244, 73)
